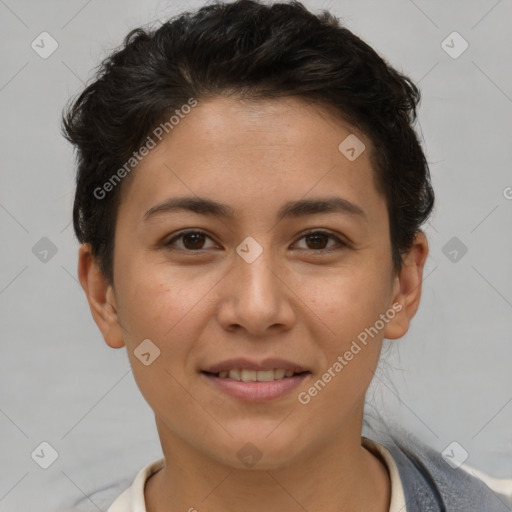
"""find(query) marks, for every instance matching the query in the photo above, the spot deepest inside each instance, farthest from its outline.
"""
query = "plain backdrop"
(449, 379)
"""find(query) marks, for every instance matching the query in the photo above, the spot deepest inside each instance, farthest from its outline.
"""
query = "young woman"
(250, 195)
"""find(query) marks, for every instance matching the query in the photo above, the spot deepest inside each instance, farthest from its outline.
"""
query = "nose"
(255, 297)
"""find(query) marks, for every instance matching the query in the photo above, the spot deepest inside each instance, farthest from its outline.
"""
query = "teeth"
(248, 375)
(256, 376)
(263, 375)
(233, 374)
(279, 374)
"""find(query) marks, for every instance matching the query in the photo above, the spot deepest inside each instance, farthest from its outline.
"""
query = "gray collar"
(430, 484)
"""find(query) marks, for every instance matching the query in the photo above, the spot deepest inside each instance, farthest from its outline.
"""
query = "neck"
(339, 476)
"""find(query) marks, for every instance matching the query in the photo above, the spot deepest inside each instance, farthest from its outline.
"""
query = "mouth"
(255, 382)
(250, 380)
(246, 375)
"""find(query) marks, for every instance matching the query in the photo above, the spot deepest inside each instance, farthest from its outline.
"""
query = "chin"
(254, 449)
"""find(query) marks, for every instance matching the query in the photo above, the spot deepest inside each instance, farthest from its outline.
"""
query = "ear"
(407, 288)
(101, 298)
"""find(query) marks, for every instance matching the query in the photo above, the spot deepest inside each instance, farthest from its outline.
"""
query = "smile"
(256, 376)
(255, 386)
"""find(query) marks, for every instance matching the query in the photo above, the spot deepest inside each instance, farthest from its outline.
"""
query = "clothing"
(430, 484)
(421, 481)
(397, 492)
(132, 499)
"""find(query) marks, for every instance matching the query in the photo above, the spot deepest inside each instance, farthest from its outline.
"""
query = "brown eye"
(193, 240)
(317, 241)
(190, 241)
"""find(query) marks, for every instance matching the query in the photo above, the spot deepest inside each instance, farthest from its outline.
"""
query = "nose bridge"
(254, 298)
(255, 279)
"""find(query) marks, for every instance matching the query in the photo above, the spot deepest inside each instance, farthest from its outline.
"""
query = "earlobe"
(100, 296)
(407, 288)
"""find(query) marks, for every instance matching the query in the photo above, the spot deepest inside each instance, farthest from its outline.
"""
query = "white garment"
(397, 492)
(132, 499)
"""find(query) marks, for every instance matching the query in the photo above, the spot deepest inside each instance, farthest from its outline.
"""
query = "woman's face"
(302, 287)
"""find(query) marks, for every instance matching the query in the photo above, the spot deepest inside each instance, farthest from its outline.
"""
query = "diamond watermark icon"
(454, 45)
(249, 455)
(455, 455)
(146, 352)
(351, 147)
(44, 455)
(44, 45)
(454, 249)
(249, 249)
(44, 250)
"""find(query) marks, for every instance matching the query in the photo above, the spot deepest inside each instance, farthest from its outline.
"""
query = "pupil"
(195, 237)
(317, 237)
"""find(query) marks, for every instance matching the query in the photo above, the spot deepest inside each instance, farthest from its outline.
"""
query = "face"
(272, 274)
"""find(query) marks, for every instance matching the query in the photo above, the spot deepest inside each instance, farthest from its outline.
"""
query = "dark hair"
(258, 52)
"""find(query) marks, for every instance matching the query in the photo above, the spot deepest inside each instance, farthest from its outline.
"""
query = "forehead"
(255, 153)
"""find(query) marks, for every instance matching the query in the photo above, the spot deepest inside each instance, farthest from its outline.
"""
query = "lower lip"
(256, 391)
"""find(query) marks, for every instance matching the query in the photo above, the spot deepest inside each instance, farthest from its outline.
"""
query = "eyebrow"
(291, 209)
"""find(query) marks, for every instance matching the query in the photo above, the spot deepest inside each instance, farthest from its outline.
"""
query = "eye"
(192, 240)
(319, 238)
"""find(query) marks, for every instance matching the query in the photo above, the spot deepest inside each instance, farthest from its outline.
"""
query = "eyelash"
(341, 243)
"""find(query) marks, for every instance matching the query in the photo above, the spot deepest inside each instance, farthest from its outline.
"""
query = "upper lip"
(247, 364)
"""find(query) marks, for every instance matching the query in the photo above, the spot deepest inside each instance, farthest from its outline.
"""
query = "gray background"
(449, 379)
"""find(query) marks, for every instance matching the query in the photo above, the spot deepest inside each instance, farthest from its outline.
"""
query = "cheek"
(349, 304)
(347, 301)
(169, 306)
(159, 299)
(167, 310)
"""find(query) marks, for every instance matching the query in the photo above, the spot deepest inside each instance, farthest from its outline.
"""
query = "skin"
(291, 302)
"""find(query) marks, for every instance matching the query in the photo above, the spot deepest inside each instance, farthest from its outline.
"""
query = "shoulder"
(433, 482)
